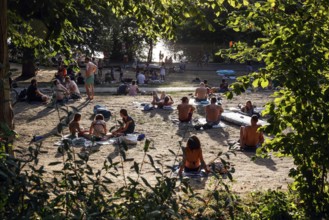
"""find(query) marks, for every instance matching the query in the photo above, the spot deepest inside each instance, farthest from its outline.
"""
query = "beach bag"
(129, 139)
(99, 109)
(22, 95)
(122, 89)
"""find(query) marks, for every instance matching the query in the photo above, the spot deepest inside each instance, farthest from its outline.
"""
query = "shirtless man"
(185, 110)
(213, 112)
(90, 78)
(250, 138)
(201, 93)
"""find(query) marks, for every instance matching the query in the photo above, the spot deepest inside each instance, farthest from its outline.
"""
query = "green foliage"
(270, 205)
(294, 48)
(76, 190)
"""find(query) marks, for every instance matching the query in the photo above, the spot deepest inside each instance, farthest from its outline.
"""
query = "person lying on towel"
(192, 157)
(250, 137)
(167, 101)
(129, 124)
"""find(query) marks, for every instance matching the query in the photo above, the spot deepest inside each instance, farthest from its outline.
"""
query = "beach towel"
(203, 121)
(192, 101)
(191, 174)
(215, 167)
(83, 142)
(144, 106)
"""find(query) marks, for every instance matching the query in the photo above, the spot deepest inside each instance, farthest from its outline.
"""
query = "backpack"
(122, 89)
(22, 95)
(98, 109)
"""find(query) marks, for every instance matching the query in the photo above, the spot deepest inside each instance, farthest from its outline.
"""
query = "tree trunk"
(150, 53)
(28, 67)
(6, 112)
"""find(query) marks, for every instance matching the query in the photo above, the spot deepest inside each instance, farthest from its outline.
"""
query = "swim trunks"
(90, 80)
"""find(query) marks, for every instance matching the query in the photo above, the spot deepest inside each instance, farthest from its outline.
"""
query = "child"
(75, 127)
(98, 128)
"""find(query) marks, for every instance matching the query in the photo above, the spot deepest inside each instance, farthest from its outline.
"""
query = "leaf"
(255, 83)
(146, 183)
(146, 145)
(186, 15)
(172, 152)
(151, 159)
(55, 163)
(136, 167)
(264, 83)
(229, 95)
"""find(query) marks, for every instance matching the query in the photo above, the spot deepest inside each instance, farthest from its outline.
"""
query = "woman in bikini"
(192, 157)
(98, 128)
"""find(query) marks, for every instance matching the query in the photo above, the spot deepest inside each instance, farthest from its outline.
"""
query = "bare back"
(201, 93)
(213, 112)
(252, 137)
(184, 110)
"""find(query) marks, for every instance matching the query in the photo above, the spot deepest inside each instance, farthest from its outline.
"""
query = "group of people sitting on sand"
(62, 92)
(193, 160)
(98, 130)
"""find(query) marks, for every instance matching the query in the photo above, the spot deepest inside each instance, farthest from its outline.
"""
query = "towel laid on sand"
(203, 121)
(83, 142)
(215, 167)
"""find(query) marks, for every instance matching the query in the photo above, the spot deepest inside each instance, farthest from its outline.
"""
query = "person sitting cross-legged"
(192, 157)
(213, 112)
(250, 137)
(129, 124)
(98, 128)
(185, 110)
(201, 93)
(33, 93)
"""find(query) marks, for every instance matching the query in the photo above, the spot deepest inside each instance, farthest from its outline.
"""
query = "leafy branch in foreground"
(76, 190)
(295, 51)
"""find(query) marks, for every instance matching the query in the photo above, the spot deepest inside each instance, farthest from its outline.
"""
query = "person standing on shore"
(162, 72)
(90, 78)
